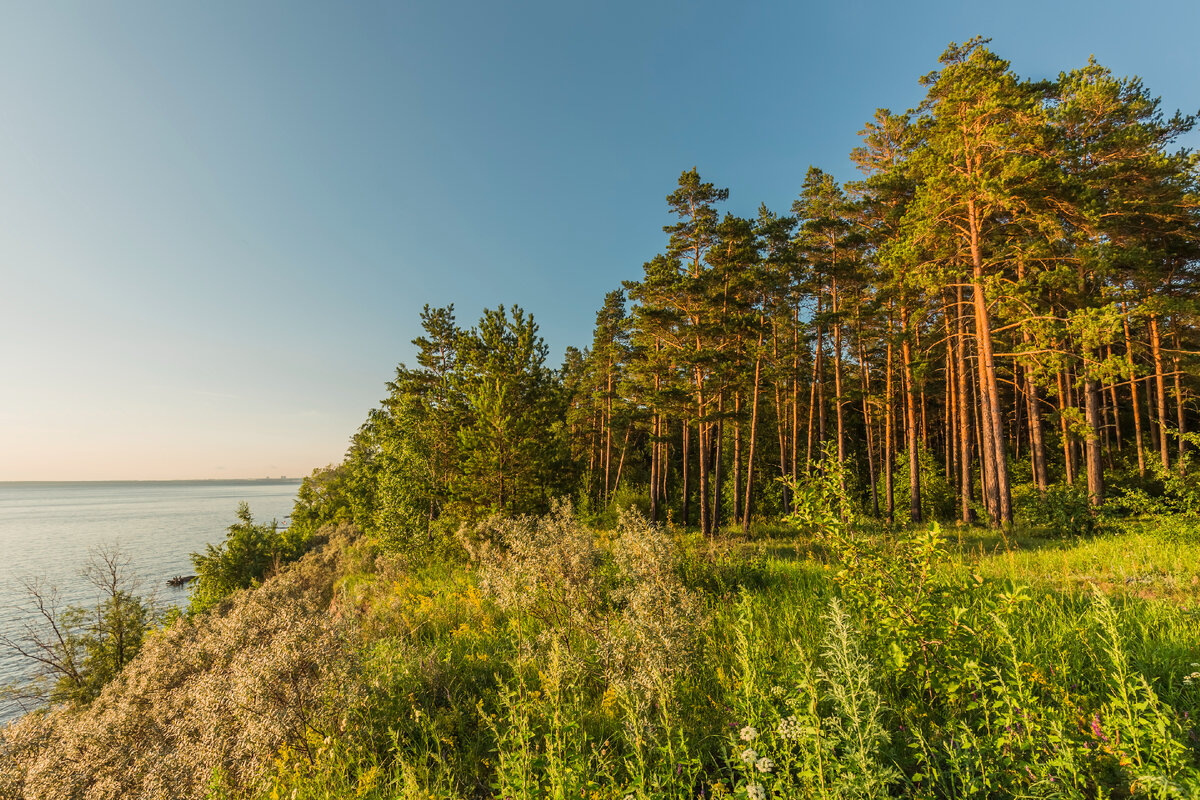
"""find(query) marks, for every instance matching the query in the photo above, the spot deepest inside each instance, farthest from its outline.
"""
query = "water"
(48, 531)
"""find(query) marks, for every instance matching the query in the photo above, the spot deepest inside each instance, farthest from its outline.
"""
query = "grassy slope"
(998, 673)
(868, 664)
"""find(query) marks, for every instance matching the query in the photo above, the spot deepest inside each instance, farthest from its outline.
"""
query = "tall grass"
(647, 663)
(836, 666)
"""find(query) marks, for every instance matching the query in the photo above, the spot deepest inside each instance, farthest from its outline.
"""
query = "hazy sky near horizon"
(219, 221)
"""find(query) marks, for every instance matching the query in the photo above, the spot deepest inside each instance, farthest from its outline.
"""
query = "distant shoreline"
(172, 480)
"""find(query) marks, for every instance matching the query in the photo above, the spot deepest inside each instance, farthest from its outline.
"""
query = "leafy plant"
(250, 551)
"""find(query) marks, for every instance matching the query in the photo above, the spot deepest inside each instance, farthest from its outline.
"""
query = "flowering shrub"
(207, 703)
(549, 568)
(620, 611)
(659, 618)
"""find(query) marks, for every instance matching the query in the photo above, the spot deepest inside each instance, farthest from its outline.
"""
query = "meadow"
(846, 662)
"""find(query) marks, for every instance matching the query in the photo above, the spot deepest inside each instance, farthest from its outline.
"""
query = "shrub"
(620, 613)
(246, 556)
(76, 650)
(819, 505)
(207, 704)
(654, 643)
(548, 568)
(1064, 511)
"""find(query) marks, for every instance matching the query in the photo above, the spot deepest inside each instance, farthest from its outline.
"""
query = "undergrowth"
(826, 659)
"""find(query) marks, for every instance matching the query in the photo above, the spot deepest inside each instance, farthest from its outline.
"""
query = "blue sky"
(219, 221)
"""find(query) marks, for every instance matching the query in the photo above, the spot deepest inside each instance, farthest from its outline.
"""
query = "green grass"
(868, 664)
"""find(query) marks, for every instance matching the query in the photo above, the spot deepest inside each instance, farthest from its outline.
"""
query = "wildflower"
(749, 756)
(748, 734)
(755, 791)
(777, 691)
(789, 729)
(764, 764)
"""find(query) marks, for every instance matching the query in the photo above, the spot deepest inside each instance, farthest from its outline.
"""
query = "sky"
(219, 221)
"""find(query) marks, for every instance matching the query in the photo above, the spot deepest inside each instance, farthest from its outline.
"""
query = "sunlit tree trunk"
(966, 476)
(1133, 390)
(1160, 392)
(910, 405)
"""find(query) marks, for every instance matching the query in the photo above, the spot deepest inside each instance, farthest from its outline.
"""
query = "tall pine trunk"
(966, 474)
(687, 436)
(837, 389)
(987, 373)
(1160, 391)
(889, 445)
(1095, 469)
(1133, 390)
(866, 406)
(1180, 419)
(910, 405)
(753, 434)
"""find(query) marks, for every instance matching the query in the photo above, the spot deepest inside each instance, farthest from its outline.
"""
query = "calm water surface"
(47, 531)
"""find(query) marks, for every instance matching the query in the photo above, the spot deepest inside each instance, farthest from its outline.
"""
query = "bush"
(819, 506)
(250, 551)
(207, 705)
(1064, 511)
(939, 500)
(621, 613)
(77, 650)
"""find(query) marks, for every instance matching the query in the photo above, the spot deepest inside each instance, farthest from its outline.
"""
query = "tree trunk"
(1116, 409)
(795, 440)
(654, 448)
(866, 405)
(607, 434)
(1068, 466)
(910, 404)
(987, 460)
(753, 437)
(837, 390)
(1151, 408)
(1095, 470)
(1133, 389)
(950, 417)
(820, 389)
(718, 475)
(987, 372)
(1037, 445)
(1160, 391)
(1037, 442)
(889, 432)
(621, 461)
(737, 456)
(966, 475)
(1180, 421)
(687, 435)
(703, 434)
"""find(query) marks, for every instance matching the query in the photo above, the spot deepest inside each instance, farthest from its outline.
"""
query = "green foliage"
(477, 428)
(77, 650)
(512, 446)
(250, 551)
(107, 638)
(1181, 483)
(1063, 511)
(819, 504)
(938, 498)
(323, 499)
(571, 662)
